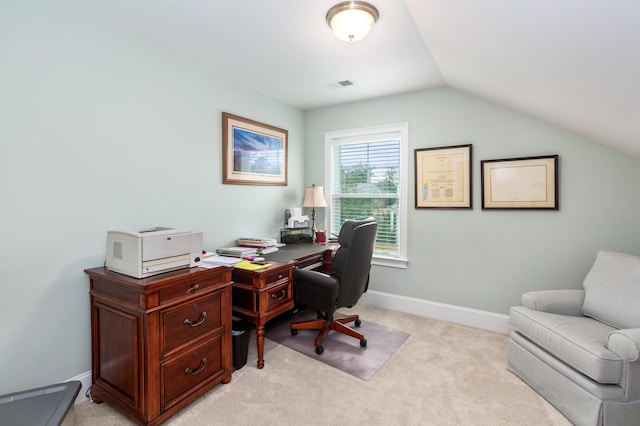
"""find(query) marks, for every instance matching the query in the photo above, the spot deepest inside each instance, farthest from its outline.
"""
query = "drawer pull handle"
(280, 276)
(203, 315)
(196, 372)
(283, 294)
(192, 289)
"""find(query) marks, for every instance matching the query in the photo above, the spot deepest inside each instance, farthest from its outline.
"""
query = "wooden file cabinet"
(158, 343)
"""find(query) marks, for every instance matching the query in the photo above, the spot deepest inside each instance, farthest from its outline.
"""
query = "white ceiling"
(574, 63)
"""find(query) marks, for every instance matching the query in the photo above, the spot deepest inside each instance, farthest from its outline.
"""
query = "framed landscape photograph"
(253, 153)
(443, 177)
(520, 183)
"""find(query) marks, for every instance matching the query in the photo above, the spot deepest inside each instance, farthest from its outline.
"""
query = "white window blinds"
(365, 181)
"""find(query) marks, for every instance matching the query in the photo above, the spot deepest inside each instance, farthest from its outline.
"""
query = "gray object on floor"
(47, 406)
(580, 349)
(343, 352)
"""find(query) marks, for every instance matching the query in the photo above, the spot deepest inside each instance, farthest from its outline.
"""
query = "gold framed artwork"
(253, 153)
(520, 183)
(443, 177)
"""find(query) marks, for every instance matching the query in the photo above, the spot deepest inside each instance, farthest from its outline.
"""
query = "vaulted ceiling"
(575, 64)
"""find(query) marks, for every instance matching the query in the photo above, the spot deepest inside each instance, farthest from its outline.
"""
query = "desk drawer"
(190, 320)
(263, 301)
(187, 288)
(184, 372)
(277, 296)
(274, 277)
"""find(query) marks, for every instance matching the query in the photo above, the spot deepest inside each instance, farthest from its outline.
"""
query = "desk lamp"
(314, 197)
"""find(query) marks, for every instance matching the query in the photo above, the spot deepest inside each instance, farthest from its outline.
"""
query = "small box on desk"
(294, 219)
(295, 236)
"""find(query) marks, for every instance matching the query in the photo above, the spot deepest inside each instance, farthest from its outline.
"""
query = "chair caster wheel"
(358, 323)
(363, 343)
(319, 350)
(294, 332)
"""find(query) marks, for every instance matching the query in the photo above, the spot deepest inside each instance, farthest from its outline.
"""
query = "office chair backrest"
(352, 261)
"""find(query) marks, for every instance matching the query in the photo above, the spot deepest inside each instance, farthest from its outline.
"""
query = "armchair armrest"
(625, 343)
(562, 302)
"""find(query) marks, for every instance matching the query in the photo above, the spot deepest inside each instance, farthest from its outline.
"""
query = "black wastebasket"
(240, 335)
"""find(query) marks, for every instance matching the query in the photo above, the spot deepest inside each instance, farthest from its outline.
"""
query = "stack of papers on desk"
(237, 251)
(257, 242)
(217, 260)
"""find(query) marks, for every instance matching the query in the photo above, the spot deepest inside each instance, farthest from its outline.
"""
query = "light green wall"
(487, 259)
(99, 131)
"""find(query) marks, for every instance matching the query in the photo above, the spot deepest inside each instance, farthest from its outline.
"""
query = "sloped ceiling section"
(283, 48)
(575, 64)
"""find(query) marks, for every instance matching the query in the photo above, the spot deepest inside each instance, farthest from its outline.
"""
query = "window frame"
(367, 135)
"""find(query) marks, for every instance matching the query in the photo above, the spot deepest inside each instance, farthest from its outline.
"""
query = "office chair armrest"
(315, 278)
(315, 290)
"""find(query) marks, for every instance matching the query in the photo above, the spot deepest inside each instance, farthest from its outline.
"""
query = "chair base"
(336, 324)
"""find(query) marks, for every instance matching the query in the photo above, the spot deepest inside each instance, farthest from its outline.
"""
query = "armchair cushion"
(612, 290)
(578, 341)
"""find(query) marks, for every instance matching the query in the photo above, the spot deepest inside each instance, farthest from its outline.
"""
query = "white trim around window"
(371, 135)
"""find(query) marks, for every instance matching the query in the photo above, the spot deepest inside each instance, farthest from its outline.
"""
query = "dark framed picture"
(443, 177)
(520, 183)
(253, 153)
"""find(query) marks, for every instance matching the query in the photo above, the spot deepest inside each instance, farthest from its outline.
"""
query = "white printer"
(145, 252)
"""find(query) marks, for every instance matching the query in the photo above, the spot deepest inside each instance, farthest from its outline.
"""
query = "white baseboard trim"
(410, 305)
(441, 311)
(85, 379)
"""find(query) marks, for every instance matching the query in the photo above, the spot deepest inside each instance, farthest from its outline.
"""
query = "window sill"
(391, 262)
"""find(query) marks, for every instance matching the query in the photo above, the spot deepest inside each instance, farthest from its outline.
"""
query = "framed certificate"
(443, 177)
(520, 183)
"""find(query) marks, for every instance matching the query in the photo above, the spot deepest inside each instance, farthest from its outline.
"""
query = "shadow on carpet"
(340, 351)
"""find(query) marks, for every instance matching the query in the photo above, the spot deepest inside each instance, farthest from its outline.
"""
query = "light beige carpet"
(444, 374)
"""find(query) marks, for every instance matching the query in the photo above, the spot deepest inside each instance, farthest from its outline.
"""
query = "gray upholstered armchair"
(349, 278)
(580, 349)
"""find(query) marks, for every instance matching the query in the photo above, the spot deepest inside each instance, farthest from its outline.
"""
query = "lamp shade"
(352, 20)
(314, 197)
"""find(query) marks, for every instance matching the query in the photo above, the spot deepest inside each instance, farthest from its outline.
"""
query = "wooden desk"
(259, 296)
(307, 255)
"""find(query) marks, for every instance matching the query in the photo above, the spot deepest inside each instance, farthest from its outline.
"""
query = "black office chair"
(348, 280)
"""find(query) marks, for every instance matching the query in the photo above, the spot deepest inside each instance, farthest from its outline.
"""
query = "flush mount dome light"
(352, 20)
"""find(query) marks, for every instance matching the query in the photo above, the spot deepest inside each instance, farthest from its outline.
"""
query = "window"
(366, 175)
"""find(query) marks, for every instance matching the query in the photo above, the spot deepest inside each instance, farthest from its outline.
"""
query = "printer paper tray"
(158, 266)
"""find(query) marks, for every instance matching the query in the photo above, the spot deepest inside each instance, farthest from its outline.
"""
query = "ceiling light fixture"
(352, 20)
